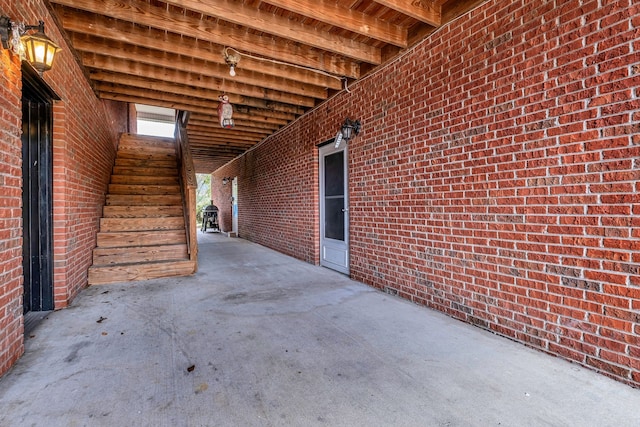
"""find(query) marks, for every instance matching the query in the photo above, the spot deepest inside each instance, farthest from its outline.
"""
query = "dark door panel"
(37, 186)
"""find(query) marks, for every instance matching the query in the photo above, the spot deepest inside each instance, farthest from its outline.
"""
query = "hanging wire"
(346, 84)
(275, 61)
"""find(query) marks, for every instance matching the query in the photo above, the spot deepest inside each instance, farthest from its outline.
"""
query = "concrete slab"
(256, 338)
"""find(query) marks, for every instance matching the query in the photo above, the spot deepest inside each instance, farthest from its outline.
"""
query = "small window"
(155, 121)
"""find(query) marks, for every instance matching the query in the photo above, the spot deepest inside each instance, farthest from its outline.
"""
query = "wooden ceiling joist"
(191, 65)
(192, 91)
(250, 17)
(263, 116)
(221, 85)
(142, 13)
(119, 31)
(184, 107)
(354, 21)
(293, 55)
(424, 11)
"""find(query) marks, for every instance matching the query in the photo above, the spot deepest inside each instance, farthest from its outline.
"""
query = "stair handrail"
(188, 183)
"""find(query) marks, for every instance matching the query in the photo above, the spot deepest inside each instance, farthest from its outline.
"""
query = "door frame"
(234, 206)
(325, 149)
(37, 186)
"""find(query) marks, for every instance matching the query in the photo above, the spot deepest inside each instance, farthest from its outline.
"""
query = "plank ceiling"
(293, 55)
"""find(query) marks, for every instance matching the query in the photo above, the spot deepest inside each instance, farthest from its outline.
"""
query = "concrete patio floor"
(256, 338)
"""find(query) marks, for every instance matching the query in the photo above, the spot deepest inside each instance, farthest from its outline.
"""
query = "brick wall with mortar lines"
(84, 139)
(495, 179)
(277, 194)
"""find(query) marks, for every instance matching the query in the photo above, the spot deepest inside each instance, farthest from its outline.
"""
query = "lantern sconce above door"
(349, 129)
(38, 49)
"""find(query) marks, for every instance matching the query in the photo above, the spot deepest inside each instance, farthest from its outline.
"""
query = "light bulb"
(232, 70)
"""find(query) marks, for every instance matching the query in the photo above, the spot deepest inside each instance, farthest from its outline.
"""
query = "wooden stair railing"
(188, 184)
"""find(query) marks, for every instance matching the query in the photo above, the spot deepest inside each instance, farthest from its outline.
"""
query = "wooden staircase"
(142, 231)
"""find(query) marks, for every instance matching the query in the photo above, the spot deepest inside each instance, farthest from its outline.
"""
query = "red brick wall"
(10, 213)
(496, 177)
(84, 142)
(277, 195)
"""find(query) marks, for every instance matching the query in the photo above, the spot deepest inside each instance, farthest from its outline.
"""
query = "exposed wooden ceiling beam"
(217, 130)
(218, 149)
(125, 32)
(259, 116)
(211, 140)
(422, 10)
(148, 100)
(207, 119)
(191, 65)
(196, 92)
(192, 79)
(196, 122)
(250, 17)
(204, 142)
(221, 138)
(351, 20)
(142, 13)
(198, 140)
(451, 10)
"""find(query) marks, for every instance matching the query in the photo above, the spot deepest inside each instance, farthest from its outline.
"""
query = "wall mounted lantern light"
(349, 129)
(226, 180)
(36, 48)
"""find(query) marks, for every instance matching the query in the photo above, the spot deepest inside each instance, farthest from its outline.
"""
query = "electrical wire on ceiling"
(232, 56)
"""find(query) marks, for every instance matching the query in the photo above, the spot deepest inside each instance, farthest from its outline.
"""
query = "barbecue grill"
(210, 218)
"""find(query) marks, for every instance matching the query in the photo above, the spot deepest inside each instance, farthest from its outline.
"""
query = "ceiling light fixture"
(231, 59)
(36, 48)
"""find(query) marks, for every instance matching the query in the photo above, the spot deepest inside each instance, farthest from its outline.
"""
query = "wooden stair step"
(127, 255)
(144, 180)
(132, 170)
(100, 275)
(115, 225)
(145, 141)
(114, 211)
(141, 238)
(146, 163)
(143, 189)
(142, 232)
(144, 200)
(138, 155)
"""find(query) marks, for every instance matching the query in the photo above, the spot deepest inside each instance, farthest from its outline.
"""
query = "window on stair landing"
(155, 121)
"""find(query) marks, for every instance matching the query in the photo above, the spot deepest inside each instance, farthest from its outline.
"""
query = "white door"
(234, 206)
(334, 208)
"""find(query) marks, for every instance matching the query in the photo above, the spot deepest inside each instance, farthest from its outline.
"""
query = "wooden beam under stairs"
(142, 232)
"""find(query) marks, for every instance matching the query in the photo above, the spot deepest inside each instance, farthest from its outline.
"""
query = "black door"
(37, 184)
